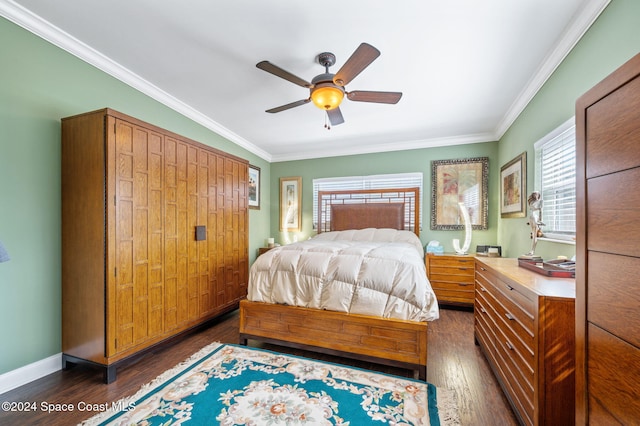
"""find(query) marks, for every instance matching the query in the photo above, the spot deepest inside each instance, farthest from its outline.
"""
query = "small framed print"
(290, 204)
(254, 187)
(513, 185)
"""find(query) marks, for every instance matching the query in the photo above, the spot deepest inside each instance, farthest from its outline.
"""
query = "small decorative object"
(290, 204)
(535, 222)
(271, 242)
(467, 232)
(459, 181)
(254, 187)
(4, 256)
(513, 183)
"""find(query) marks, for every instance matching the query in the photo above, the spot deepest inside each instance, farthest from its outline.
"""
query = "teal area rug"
(236, 385)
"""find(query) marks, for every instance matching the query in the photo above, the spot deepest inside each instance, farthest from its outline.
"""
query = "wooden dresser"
(608, 247)
(451, 277)
(154, 236)
(525, 324)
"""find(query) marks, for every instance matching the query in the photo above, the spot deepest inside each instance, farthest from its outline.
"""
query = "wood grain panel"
(613, 372)
(613, 295)
(612, 213)
(352, 335)
(613, 121)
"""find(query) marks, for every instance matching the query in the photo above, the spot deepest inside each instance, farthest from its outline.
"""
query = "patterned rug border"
(446, 399)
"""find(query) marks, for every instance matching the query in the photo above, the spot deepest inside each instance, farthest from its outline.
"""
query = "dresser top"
(538, 283)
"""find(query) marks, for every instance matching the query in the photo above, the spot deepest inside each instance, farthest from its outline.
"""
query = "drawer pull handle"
(463, 284)
(483, 310)
(508, 345)
(509, 287)
(509, 316)
(482, 269)
(482, 289)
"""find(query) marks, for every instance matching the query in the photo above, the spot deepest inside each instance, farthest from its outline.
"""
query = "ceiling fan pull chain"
(326, 124)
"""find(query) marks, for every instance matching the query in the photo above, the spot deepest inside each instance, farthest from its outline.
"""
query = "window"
(398, 180)
(555, 178)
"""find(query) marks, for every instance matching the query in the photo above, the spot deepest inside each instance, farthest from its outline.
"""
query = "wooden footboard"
(382, 340)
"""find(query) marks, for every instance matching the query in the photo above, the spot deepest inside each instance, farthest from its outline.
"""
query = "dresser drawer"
(465, 263)
(521, 392)
(484, 323)
(520, 321)
(462, 296)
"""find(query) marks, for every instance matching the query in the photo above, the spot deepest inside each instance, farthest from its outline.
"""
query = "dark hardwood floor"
(454, 362)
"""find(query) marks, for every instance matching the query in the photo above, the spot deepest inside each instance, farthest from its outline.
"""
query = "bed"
(325, 295)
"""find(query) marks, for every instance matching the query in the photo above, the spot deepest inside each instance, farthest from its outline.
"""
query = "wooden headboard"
(369, 208)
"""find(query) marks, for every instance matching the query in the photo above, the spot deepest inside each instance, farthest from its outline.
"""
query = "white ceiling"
(466, 68)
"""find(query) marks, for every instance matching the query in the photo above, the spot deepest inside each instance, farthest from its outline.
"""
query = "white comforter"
(377, 272)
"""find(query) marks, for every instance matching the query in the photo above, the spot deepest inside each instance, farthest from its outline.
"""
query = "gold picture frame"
(455, 181)
(513, 187)
(291, 204)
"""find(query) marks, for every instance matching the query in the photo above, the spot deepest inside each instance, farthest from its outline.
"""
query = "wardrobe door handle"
(509, 316)
(508, 345)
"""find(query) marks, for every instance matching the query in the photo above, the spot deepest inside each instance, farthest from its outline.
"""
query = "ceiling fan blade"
(359, 60)
(335, 116)
(378, 97)
(279, 72)
(289, 106)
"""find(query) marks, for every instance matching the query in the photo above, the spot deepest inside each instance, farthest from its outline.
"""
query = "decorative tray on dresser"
(525, 325)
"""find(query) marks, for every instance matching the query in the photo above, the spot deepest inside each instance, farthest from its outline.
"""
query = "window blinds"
(348, 183)
(556, 178)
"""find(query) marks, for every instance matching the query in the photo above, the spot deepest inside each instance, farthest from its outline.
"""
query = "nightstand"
(452, 278)
(263, 250)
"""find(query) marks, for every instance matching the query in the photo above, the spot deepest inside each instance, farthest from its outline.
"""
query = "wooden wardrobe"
(608, 250)
(154, 236)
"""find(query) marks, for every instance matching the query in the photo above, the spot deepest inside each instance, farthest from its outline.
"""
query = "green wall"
(418, 160)
(612, 40)
(39, 84)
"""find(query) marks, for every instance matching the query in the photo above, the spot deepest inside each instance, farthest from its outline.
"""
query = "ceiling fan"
(327, 90)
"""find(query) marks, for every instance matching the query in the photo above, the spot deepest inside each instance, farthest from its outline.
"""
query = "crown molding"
(579, 25)
(574, 32)
(388, 147)
(45, 30)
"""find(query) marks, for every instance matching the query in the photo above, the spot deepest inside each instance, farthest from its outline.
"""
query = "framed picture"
(513, 185)
(459, 181)
(254, 187)
(290, 204)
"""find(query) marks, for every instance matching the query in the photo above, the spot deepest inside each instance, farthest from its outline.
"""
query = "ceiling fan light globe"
(327, 96)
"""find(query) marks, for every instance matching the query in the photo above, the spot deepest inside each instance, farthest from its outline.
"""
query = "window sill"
(558, 240)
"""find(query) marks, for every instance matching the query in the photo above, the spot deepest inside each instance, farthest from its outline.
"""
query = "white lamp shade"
(4, 256)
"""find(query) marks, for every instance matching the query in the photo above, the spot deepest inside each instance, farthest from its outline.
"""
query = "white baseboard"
(29, 373)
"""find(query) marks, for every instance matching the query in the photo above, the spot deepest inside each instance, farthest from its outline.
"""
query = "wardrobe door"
(207, 217)
(136, 299)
